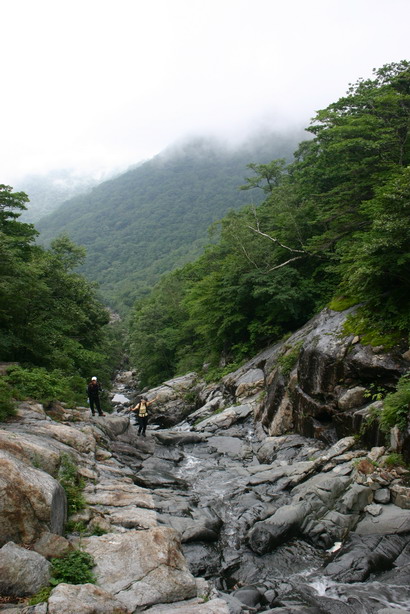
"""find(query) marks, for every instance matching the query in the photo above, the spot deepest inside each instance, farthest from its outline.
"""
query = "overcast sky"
(100, 84)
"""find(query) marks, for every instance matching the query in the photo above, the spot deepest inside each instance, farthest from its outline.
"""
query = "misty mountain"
(47, 192)
(155, 217)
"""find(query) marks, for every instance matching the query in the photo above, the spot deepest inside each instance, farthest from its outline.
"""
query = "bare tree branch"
(263, 234)
(278, 266)
(249, 259)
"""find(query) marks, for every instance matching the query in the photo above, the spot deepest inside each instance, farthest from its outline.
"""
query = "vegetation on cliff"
(334, 223)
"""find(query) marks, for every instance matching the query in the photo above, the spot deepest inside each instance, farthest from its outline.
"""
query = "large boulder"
(32, 502)
(72, 437)
(83, 599)
(22, 572)
(141, 568)
(31, 449)
(176, 398)
(225, 419)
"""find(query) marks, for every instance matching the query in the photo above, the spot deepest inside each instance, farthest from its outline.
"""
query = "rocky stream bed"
(212, 512)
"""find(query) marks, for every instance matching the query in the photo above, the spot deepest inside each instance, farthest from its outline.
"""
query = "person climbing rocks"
(142, 415)
(93, 391)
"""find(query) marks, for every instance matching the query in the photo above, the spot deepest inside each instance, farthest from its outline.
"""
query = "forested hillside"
(51, 321)
(155, 217)
(334, 226)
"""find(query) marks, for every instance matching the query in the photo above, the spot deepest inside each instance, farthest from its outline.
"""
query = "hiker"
(93, 391)
(142, 415)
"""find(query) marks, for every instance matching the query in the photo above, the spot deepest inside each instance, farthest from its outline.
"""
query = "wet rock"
(363, 555)
(167, 453)
(204, 559)
(174, 438)
(202, 525)
(22, 572)
(392, 520)
(265, 536)
(231, 446)
(225, 419)
(249, 595)
(156, 474)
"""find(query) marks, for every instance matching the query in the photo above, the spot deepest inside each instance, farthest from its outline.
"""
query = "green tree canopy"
(334, 221)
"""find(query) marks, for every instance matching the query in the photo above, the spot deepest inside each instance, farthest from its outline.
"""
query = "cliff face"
(258, 482)
(318, 381)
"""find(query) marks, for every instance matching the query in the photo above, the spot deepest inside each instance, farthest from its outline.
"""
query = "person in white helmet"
(93, 391)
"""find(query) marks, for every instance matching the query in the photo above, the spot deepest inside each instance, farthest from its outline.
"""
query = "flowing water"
(291, 578)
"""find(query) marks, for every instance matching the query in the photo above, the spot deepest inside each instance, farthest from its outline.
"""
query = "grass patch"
(72, 483)
(370, 333)
(394, 460)
(289, 358)
(341, 303)
(42, 595)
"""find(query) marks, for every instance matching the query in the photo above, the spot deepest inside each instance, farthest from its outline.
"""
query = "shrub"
(45, 386)
(7, 405)
(341, 303)
(74, 568)
(396, 406)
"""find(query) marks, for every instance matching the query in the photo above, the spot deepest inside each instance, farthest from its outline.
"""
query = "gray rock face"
(267, 497)
(22, 572)
(364, 554)
(326, 390)
(83, 599)
(192, 606)
(32, 502)
(142, 568)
